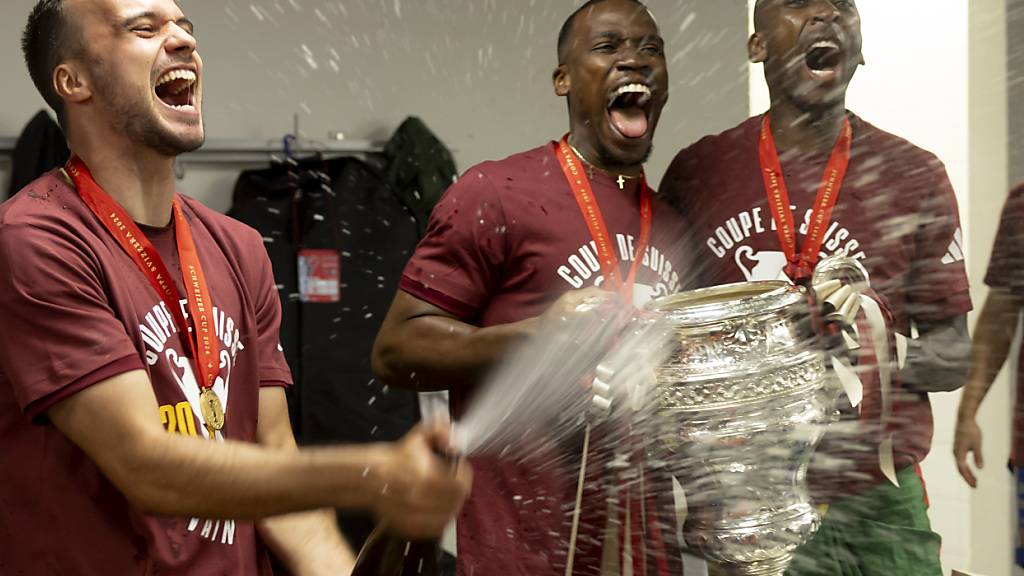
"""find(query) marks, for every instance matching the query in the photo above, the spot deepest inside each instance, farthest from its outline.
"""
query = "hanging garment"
(41, 147)
(420, 169)
(268, 201)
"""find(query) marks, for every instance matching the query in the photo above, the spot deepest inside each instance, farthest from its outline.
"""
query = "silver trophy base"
(773, 567)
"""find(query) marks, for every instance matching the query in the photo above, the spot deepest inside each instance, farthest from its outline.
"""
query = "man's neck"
(588, 152)
(138, 178)
(806, 132)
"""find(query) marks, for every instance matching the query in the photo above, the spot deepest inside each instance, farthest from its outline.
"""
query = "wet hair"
(567, 27)
(50, 38)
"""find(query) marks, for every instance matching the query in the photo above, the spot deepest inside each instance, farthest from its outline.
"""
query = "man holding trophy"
(768, 199)
(519, 243)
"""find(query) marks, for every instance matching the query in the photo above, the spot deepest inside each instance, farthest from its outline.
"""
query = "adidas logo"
(955, 252)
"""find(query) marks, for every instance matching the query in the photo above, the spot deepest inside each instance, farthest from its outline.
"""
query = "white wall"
(935, 75)
(992, 506)
(477, 71)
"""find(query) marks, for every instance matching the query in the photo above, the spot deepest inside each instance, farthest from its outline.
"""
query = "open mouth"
(176, 89)
(629, 109)
(823, 59)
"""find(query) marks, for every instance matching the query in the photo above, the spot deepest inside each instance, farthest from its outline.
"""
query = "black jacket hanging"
(41, 147)
(420, 169)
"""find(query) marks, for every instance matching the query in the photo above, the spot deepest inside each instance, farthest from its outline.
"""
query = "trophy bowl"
(741, 404)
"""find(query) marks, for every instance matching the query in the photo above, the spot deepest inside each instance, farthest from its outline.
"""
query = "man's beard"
(134, 117)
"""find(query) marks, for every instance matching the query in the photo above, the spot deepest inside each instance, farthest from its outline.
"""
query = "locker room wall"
(477, 71)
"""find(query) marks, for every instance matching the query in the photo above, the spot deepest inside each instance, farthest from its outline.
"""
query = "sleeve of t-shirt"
(460, 261)
(273, 367)
(60, 334)
(937, 285)
(1006, 267)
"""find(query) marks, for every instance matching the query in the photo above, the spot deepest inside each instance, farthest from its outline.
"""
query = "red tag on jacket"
(319, 276)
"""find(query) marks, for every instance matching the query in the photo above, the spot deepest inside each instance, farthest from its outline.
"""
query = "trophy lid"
(728, 302)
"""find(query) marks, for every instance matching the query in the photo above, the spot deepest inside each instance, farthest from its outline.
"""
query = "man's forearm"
(308, 543)
(992, 339)
(174, 475)
(183, 476)
(438, 353)
(165, 474)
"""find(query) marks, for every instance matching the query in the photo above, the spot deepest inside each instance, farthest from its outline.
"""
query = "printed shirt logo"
(185, 417)
(764, 265)
(734, 236)
(955, 252)
(583, 268)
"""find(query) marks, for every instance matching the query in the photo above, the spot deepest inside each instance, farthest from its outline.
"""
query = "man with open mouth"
(521, 241)
(142, 406)
(770, 197)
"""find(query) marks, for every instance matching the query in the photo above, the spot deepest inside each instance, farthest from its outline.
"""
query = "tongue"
(630, 122)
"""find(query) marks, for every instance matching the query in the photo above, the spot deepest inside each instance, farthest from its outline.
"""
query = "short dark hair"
(49, 39)
(567, 26)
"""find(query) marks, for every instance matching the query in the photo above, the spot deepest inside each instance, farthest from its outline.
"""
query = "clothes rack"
(246, 151)
(7, 147)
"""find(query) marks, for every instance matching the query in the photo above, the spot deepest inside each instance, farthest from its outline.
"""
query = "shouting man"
(807, 179)
(529, 237)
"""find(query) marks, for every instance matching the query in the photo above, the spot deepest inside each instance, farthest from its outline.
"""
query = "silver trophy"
(742, 403)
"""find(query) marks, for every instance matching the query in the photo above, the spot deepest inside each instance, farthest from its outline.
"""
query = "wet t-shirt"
(896, 213)
(78, 311)
(1006, 270)
(503, 244)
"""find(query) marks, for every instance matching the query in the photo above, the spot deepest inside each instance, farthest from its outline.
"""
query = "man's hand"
(580, 302)
(422, 492)
(967, 440)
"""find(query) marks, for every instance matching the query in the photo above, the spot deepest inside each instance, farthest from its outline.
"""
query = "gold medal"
(213, 412)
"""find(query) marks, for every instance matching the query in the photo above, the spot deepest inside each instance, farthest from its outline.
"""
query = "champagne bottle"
(385, 554)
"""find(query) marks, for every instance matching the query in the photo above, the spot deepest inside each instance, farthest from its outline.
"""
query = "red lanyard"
(203, 342)
(800, 267)
(581, 188)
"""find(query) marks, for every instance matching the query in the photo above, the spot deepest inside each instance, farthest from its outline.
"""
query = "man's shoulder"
(46, 209)
(532, 163)
(715, 152)
(1017, 194)
(895, 150)
(741, 135)
(45, 199)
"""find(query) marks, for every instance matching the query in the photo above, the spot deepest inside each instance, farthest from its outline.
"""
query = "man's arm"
(939, 358)
(992, 339)
(308, 543)
(423, 347)
(117, 423)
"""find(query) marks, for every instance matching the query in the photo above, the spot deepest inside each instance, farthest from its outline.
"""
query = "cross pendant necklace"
(622, 179)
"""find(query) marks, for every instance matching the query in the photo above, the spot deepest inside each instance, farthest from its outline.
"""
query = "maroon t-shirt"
(503, 244)
(77, 311)
(1006, 270)
(896, 213)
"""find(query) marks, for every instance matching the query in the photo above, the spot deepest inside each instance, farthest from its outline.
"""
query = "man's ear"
(757, 48)
(71, 83)
(562, 80)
